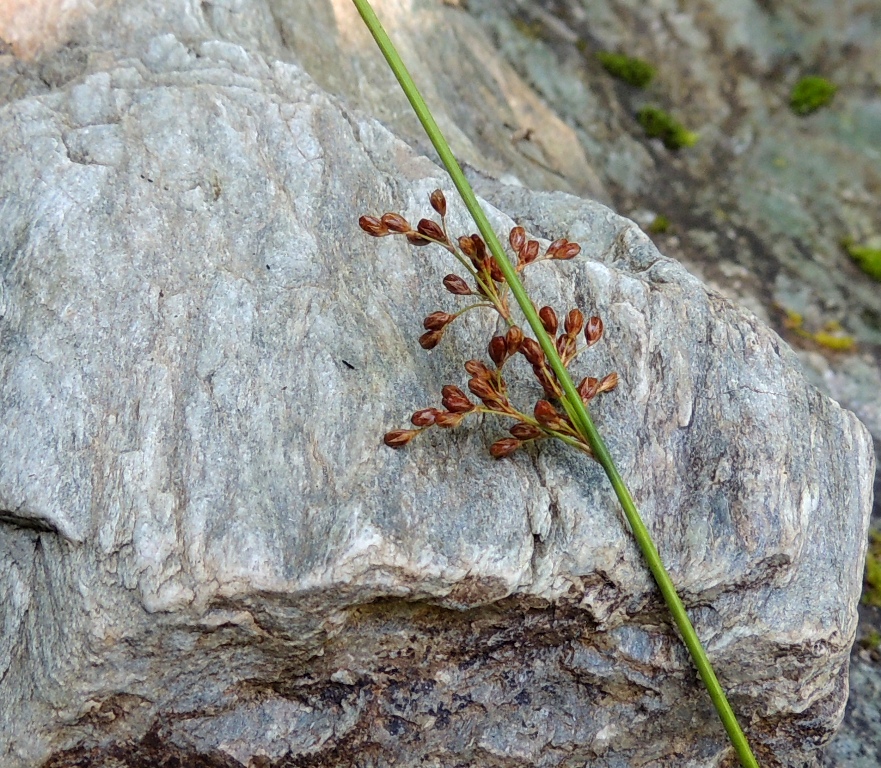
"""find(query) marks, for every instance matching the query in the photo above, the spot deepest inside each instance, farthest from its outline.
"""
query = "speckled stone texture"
(207, 555)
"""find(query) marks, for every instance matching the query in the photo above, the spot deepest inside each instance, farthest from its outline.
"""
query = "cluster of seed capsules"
(487, 383)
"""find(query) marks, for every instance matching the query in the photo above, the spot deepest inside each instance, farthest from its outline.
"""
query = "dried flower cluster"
(487, 383)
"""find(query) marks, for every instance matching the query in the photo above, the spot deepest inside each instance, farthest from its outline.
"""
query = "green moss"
(810, 93)
(872, 581)
(636, 72)
(659, 124)
(871, 640)
(867, 258)
(659, 225)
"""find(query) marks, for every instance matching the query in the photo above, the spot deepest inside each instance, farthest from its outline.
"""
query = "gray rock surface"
(206, 552)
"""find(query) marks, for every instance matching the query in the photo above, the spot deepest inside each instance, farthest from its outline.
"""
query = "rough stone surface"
(206, 553)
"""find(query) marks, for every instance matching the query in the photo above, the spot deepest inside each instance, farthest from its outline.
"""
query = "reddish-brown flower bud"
(479, 247)
(525, 431)
(498, 349)
(513, 340)
(504, 447)
(495, 271)
(517, 238)
(424, 417)
(554, 247)
(430, 340)
(588, 388)
(455, 284)
(414, 238)
(482, 388)
(438, 202)
(529, 252)
(568, 251)
(608, 383)
(548, 383)
(593, 331)
(437, 320)
(532, 351)
(479, 369)
(467, 246)
(398, 438)
(574, 322)
(431, 229)
(546, 414)
(566, 348)
(455, 400)
(549, 320)
(396, 223)
(373, 226)
(447, 420)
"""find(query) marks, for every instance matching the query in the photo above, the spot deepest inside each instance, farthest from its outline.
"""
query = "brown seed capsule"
(525, 431)
(478, 369)
(424, 417)
(588, 388)
(373, 226)
(546, 414)
(566, 348)
(438, 202)
(548, 383)
(467, 246)
(568, 251)
(398, 438)
(574, 322)
(532, 351)
(495, 271)
(517, 238)
(455, 284)
(479, 247)
(513, 340)
(414, 238)
(498, 350)
(447, 420)
(504, 447)
(395, 222)
(555, 246)
(608, 383)
(455, 400)
(437, 320)
(549, 320)
(482, 388)
(594, 330)
(430, 340)
(431, 229)
(529, 252)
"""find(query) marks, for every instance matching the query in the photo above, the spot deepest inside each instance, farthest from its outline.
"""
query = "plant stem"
(572, 400)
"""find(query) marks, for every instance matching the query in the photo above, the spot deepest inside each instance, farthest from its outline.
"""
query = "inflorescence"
(487, 383)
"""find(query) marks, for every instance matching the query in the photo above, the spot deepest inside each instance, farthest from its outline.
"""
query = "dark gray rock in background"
(207, 552)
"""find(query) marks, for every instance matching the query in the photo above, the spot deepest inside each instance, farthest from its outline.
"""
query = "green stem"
(572, 400)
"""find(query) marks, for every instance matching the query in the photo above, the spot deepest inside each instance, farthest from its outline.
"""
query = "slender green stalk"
(572, 401)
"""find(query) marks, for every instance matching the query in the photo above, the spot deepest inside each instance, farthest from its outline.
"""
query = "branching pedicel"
(486, 383)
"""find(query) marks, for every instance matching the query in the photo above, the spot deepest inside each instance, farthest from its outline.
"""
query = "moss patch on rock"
(872, 581)
(810, 94)
(636, 72)
(660, 224)
(659, 124)
(867, 257)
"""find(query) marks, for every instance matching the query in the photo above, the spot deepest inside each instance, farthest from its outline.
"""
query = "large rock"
(208, 555)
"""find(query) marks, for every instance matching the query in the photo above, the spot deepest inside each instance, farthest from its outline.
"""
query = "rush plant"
(564, 414)
(488, 384)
